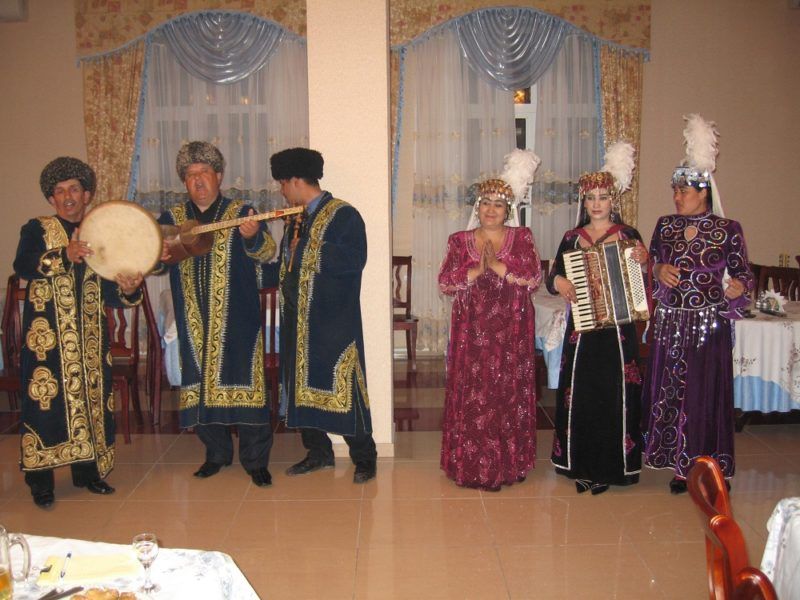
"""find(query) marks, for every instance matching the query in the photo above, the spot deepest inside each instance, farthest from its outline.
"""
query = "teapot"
(7, 579)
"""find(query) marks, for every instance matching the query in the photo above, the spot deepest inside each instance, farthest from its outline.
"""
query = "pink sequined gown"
(489, 429)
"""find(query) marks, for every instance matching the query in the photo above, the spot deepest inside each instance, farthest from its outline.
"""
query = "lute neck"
(275, 214)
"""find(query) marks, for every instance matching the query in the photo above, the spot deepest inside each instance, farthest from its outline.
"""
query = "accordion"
(608, 284)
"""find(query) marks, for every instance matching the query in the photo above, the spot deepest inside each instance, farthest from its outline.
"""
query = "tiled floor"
(411, 533)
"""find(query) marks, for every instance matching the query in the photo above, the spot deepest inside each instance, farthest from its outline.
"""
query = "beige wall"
(736, 62)
(41, 111)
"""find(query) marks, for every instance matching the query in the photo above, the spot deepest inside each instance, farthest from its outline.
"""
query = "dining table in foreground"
(179, 573)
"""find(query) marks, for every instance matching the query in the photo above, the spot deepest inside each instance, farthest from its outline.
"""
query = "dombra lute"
(193, 239)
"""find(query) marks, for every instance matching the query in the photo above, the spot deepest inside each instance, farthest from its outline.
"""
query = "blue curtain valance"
(511, 47)
(222, 47)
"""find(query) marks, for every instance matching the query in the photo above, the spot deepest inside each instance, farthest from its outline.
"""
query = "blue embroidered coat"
(215, 297)
(67, 395)
(323, 381)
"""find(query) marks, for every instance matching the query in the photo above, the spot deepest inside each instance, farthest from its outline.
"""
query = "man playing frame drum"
(67, 394)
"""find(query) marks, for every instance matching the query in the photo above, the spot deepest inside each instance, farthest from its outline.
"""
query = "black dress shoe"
(207, 469)
(365, 470)
(261, 477)
(308, 465)
(98, 486)
(598, 488)
(44, 499)
(677, 486)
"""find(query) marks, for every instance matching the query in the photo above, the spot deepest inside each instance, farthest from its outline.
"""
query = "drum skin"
(125, 239)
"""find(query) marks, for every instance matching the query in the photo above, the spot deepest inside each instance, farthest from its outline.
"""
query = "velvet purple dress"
(688, 391)
(489, 428)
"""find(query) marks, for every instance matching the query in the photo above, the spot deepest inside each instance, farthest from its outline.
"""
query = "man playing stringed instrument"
(216, 302)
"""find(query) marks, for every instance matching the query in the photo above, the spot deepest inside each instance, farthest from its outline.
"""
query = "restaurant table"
(551, 322)
(180, 573)
(766, 362)
(781, 560)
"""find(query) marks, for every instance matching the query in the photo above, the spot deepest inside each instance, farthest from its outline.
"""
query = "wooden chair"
(401, 299)
(785, 280)
(752, 584)
(10, 381)
(123, 332)
(272, 374)
(155, 357)
(726, 553)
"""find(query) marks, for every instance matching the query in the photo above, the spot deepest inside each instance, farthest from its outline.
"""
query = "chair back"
(401, 286)
(784, 280)
(545, 270)
(155, 356)
(12, 339)
(753, 584)
(123, 333)
(726, 552)
(268, 298)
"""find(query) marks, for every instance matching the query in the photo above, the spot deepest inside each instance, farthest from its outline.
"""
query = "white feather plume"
(701, 143)
(518, 170)
(619, 162)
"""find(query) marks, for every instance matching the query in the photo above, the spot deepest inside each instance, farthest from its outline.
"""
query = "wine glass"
(146, 547)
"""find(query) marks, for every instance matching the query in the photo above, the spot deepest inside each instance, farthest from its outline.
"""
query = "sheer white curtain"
(248, 120)
(462, 129)
(567, 133)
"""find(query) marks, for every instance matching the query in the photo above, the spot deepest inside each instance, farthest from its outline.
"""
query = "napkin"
(89, 568)
(775, 302)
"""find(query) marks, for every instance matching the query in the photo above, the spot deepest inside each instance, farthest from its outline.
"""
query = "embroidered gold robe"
(67, 395)
(215, 297)
(323, 381)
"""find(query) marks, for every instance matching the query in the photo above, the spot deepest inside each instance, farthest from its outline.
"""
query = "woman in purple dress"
(489, 429)
(688, 392)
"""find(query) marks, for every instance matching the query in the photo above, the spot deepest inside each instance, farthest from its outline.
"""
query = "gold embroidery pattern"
(42, 387)
(189, 397)
(193, 319)
(93, 315)
(339, 399)
(51, 264)
(218, 396)
(39, 294)
(40, 338)
(54, 234)
(266, 249)
(35, 455)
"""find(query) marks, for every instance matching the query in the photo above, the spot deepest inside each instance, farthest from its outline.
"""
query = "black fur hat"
(63, 168)
(297, 162)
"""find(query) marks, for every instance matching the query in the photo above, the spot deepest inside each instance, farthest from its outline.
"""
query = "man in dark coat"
(323, 379)
(67, 393)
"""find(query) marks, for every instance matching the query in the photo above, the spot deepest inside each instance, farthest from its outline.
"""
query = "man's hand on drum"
(250, 228)
(76, 249)
(129, 283)
(165, 253)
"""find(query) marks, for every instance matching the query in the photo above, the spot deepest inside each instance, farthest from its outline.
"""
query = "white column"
(348, 81)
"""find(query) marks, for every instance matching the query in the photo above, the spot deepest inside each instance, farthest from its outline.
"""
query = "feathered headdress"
(518, 170)
(700, 137)
(617, 170)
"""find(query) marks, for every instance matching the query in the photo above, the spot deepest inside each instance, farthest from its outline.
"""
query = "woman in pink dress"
(489, 429)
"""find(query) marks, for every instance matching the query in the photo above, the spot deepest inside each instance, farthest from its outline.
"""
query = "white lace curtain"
(248, 120)
(568, 139)
(462, 129)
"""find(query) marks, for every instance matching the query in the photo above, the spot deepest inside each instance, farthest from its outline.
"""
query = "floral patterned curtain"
(111, 91)
(621, 93)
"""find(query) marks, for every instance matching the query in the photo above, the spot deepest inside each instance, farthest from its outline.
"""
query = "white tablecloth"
(550, 326)
(766, 362)
(781, 560)
(184, 574)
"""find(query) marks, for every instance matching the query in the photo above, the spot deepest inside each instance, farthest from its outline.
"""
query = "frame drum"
(125, 239)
